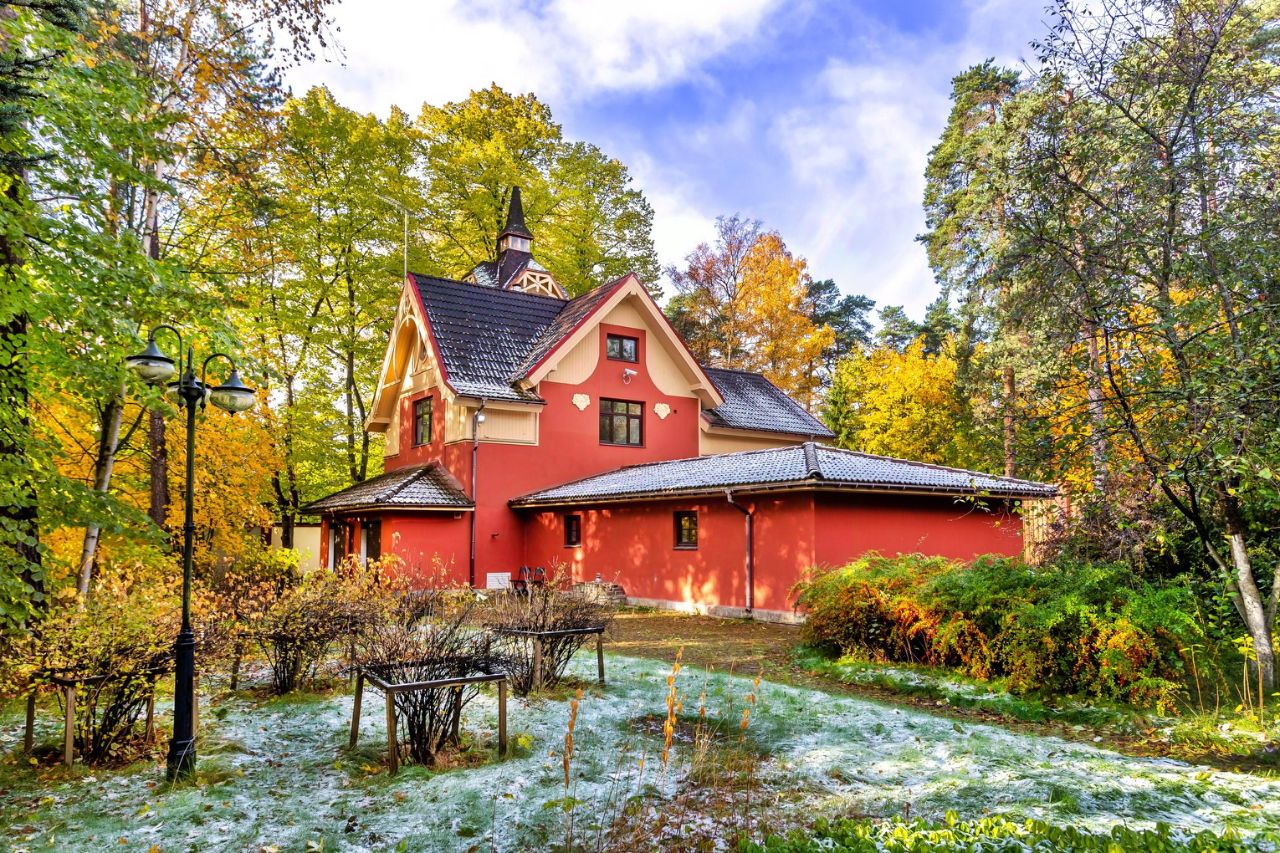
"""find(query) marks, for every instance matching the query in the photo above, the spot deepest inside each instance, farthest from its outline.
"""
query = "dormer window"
(622, 348)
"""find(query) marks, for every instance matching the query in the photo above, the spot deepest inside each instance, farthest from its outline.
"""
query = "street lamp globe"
(151, 365)
(233, 395)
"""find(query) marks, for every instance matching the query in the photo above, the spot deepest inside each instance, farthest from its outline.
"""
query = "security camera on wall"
(627, 374)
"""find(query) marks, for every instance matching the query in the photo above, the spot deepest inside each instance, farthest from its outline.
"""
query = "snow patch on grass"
(279, 773)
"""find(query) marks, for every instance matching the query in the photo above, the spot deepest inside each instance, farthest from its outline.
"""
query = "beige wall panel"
(457, 423)
(578, 363)
(709, 443)
(393, 433)
(509, 427)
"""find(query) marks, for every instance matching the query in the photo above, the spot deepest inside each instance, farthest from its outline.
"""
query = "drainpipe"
(749, 517)
(476, 420)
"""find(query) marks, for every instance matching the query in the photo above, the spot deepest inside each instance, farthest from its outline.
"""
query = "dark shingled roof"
(499, 273)
(805, 465)
(573, 313)
(753, 402)
(418, 487)
(489, 339)
(484, 334)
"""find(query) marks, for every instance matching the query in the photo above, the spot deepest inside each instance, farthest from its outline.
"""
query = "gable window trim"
(622, 348)
(621, 423)
(422, 422)
(685, 524)
(572, 530)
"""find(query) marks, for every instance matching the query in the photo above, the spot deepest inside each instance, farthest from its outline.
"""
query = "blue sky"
(815, 117)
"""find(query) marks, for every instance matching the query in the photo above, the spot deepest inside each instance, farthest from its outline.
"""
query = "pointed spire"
(515, 218)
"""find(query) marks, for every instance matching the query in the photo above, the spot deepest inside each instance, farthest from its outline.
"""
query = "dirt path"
(751, 648)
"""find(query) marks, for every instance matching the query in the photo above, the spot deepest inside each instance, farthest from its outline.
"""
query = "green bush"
(1066, 628)
(994, 834)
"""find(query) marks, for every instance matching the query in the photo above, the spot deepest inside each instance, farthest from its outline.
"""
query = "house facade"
(524, 428)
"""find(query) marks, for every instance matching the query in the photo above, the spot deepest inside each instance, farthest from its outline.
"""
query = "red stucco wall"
(569, 448)
(850, 525)
(635, 547)
(434, 546)
(409, 453)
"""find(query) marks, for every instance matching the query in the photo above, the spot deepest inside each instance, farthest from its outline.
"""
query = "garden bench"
(390, 689)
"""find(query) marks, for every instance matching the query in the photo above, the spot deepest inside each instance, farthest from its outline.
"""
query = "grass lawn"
(275, 774)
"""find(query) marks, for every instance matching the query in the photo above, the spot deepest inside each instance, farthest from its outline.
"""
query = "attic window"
(622, 348)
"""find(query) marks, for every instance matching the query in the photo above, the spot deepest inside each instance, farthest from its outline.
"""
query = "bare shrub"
(546, 607)
(438, 640)
(114, 646)
(298, 629)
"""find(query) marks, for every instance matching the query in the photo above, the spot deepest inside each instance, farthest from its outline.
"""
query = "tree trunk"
(108, 443)
(1010, 388)
(1250, 601)
(159, 469)
(1097, 414)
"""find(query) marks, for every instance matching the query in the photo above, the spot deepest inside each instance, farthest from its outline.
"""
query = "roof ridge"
(813, 470)
(442, 280)
(733, 370)
(933, 466)
(639, 465)
(410, 479)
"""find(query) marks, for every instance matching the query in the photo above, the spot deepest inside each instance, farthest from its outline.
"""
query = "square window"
(572, 531)
(686, 524)
(622, 348)
(422, 421)
(621, 423)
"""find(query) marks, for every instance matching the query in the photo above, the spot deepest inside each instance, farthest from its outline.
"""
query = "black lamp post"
(155, 368)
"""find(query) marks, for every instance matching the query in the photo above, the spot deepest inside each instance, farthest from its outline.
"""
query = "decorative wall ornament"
(661, 410)
(581, 401)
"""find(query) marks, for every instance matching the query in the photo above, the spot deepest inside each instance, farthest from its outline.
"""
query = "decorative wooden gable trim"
(632, 288)
(540, 283)
(410, 349)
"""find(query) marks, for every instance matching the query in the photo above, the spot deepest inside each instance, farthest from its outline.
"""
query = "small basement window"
(572, 531)
(622, 348)
(686, 524)
(622, 422)
(422, 421)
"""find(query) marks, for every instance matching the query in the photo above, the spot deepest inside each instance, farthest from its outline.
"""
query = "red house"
(527, 429)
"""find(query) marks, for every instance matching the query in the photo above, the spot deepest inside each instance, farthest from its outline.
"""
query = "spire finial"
(515, 218)
(514, 234)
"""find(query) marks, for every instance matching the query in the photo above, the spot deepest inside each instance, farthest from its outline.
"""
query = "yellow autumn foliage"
(903, 404)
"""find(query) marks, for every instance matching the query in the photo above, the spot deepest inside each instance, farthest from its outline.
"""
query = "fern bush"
(1068, 628)
(993, 834)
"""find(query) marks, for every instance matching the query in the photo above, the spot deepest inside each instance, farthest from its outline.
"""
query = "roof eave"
(727, 429)
(352, 508)
(807, 485)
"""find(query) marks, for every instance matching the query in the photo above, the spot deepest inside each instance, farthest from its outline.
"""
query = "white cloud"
(565, 50)
(856, 150)
(835, 162)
